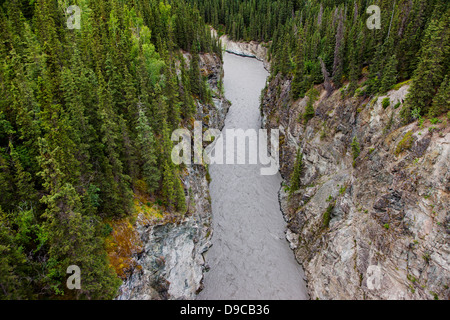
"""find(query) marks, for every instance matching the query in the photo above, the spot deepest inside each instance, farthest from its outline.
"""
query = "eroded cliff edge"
(377, 227)
(251, 49)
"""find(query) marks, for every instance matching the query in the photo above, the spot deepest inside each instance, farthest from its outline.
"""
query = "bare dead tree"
(335, 15)
(338, 59)
(406, 10)
(355, 13)
(319, 18)
(392, 18)
(326, 77)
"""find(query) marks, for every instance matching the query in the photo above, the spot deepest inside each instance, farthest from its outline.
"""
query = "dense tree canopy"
(86, 116)
(413, 42)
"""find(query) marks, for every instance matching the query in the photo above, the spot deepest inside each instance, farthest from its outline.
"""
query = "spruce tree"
(441, 102)
(389, 74)
(338, 65)
(309, 110)
(299, 82)
(432, 65)
(298, 169)
(195, 77)
(22, 180)
(147, 147)
(71, 235)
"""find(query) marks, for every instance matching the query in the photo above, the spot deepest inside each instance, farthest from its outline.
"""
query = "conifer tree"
(441, 102)
(147, 147)
(298, 169)
(338, 66)
(309, 110)
(71, 236)
(13, 264)
(432, 65)
(298, 82)
(389, 74)
(188, 106)
(195, 77)
(115, 184)
(22, 180)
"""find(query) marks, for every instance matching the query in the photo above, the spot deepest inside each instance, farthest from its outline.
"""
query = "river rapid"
(250, 257)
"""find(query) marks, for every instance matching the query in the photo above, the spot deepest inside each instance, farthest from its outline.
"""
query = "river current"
(250, 257)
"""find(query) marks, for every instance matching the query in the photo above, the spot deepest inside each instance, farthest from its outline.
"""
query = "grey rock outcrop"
(171, 263)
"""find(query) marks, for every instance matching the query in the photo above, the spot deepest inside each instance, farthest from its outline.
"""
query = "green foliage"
(299, 81)
(303, 32)
(389, 74)
(356, 150)
(13, 264)
(441, 102)
(386, 102)
(433, 66)
(148, 150)
(405, 143)
(434, 121)
(327, 215)
(208, 176)
(398, 86)
(296, 174)
(309, 110)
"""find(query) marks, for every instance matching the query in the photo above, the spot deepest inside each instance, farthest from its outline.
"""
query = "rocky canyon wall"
(377, 227)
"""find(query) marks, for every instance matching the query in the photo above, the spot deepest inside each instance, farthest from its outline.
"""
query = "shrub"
(421, 121)
(207, 176)
(327, 215)
(309, 112)
(399, 85)
(434, 120)
(298, 168)
(405, 143)
(397, 105)
(386, 103)
(106, 230)
(405, 114)
(356, 150)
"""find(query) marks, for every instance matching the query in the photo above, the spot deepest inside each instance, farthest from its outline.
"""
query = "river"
(250, 258)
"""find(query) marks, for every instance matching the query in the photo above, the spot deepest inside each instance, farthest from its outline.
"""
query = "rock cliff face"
(250, 49)
(377, 227)
(170, 263)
